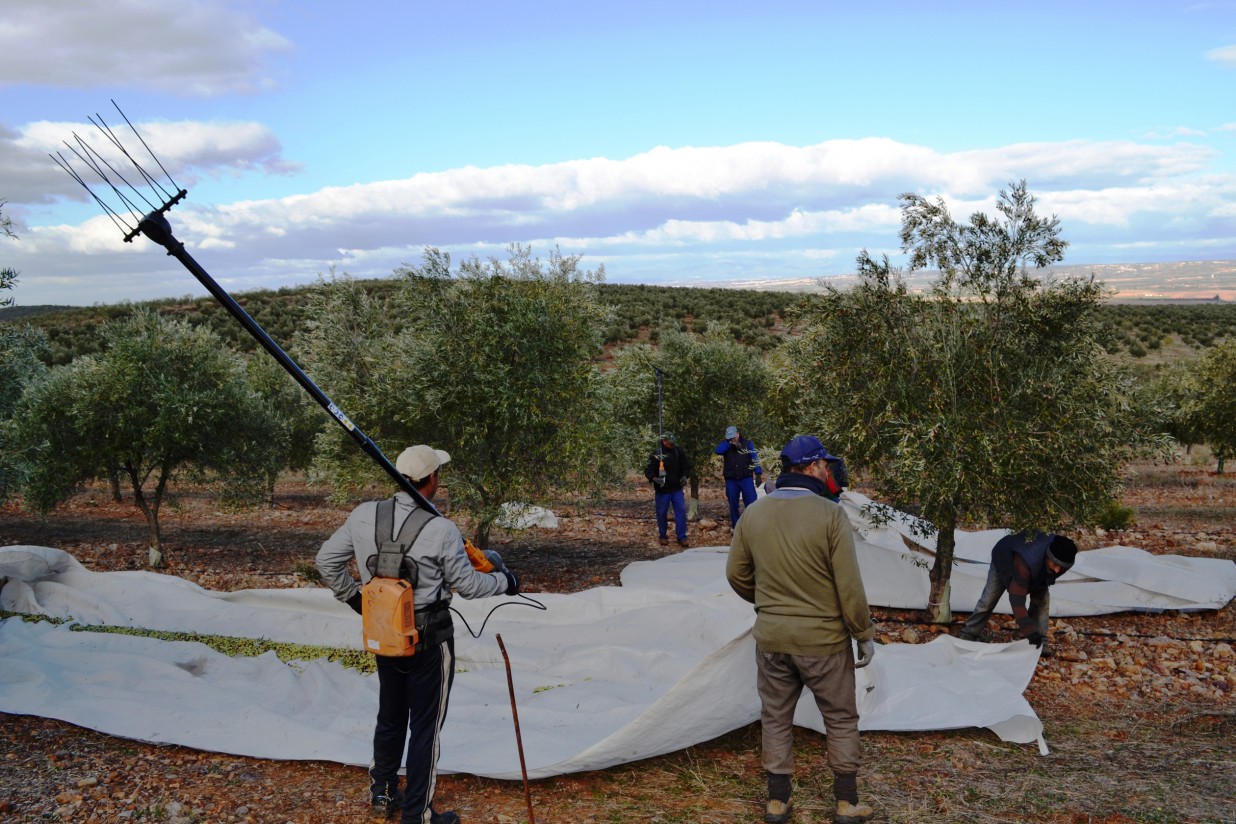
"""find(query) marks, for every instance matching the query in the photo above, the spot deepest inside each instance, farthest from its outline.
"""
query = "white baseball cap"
(419, 462)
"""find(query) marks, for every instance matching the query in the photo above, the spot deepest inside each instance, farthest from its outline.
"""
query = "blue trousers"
(412, 699)
(733, 489)
(664, 501)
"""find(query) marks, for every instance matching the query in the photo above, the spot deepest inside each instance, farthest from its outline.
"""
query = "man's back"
(793, 556)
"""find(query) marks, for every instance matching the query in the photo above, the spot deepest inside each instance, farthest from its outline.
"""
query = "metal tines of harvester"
(138, 213)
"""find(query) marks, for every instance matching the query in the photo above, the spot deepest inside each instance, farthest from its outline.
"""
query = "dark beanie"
(1063, 551)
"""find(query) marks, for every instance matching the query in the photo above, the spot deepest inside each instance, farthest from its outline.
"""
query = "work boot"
(683, 543)
(386, 800)
(848, 813)
(448, 817)
(777, 812)
(663, 541)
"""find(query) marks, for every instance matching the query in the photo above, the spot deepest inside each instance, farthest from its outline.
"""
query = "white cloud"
(705, 213)
(188, 47)
(188, 150)
(1224, 56)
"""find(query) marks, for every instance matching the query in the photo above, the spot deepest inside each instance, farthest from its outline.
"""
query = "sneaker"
(848, 813)
(448, 817)
(663, 541)
(386, 801)
(778, 812)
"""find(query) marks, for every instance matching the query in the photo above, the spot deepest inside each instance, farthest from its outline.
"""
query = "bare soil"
(1138, 708)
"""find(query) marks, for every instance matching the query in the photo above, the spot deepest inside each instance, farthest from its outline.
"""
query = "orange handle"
(479, 562)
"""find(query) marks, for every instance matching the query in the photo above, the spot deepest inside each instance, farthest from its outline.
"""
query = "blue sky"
(677, 143)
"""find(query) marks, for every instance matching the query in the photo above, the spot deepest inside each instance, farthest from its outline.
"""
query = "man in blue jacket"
(741, 470)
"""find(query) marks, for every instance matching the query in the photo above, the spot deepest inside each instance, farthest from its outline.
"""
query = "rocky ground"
(1138, 707)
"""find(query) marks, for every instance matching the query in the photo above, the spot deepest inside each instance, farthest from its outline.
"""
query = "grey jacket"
(437, 560)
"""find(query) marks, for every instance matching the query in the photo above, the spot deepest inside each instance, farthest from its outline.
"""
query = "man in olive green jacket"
(792, 555)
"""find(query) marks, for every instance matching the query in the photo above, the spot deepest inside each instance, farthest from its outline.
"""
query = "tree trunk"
(939, 609)
(482, 535)
(113, 478)
(150, 508)
(693, 507)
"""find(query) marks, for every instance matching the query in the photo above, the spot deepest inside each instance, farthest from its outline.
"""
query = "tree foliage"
(162, 400)
(20, 365)
(8, 276)
(295, 418)
(985, 400)
(709, 382)
(495, 363)
(503, 375)
(1209, 408)
(352, 351)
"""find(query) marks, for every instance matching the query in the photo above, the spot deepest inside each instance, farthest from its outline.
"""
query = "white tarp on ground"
(1111, 579)
(602, 677)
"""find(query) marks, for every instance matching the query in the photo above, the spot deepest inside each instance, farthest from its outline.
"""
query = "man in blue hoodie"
(741, 470)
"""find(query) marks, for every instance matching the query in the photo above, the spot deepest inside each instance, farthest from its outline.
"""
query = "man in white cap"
(412, 691)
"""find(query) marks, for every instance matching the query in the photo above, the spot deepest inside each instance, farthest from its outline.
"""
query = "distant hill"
(1145, 329)
(13, 313)
(1212, 281)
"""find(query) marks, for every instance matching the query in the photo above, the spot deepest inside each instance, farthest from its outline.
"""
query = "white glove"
(866, 650)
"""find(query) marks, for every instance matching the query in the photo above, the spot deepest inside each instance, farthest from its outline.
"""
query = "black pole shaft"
(156, 227)
(660, 425)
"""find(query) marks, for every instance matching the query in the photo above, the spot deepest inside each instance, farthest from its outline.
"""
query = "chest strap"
(388, 563)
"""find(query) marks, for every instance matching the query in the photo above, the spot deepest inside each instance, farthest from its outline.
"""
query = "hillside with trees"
(538, 376)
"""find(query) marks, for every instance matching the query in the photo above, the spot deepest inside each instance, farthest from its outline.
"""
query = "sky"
(676, 143)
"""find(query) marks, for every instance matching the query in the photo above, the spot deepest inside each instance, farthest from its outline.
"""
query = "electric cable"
(532, 602)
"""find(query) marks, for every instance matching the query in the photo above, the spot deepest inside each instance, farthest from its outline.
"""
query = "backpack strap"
(388, 563)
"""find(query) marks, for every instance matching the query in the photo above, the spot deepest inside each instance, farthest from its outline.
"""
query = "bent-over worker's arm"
(1019, 588)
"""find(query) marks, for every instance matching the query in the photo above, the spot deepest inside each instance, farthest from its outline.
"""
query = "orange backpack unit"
(388, 612)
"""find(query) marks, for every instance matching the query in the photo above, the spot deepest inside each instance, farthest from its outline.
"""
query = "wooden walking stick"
(519, 742)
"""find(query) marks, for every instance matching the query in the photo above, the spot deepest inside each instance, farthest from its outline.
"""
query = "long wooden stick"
(519, 741)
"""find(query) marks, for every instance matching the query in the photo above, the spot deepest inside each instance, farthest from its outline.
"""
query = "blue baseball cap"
(804, 449)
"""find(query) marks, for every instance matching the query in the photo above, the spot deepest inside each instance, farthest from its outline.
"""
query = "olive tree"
(351, 349)
(8, 275)
(1210, 405)
(986, 400)
(163, 399)
(21, 352)
(495, 362)
(295, 418)
(503, 374)
(709, 382)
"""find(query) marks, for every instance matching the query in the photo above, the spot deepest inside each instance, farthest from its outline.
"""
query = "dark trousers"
(736, 488)
(1039, 607)
(412, 700)
(678, 502)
